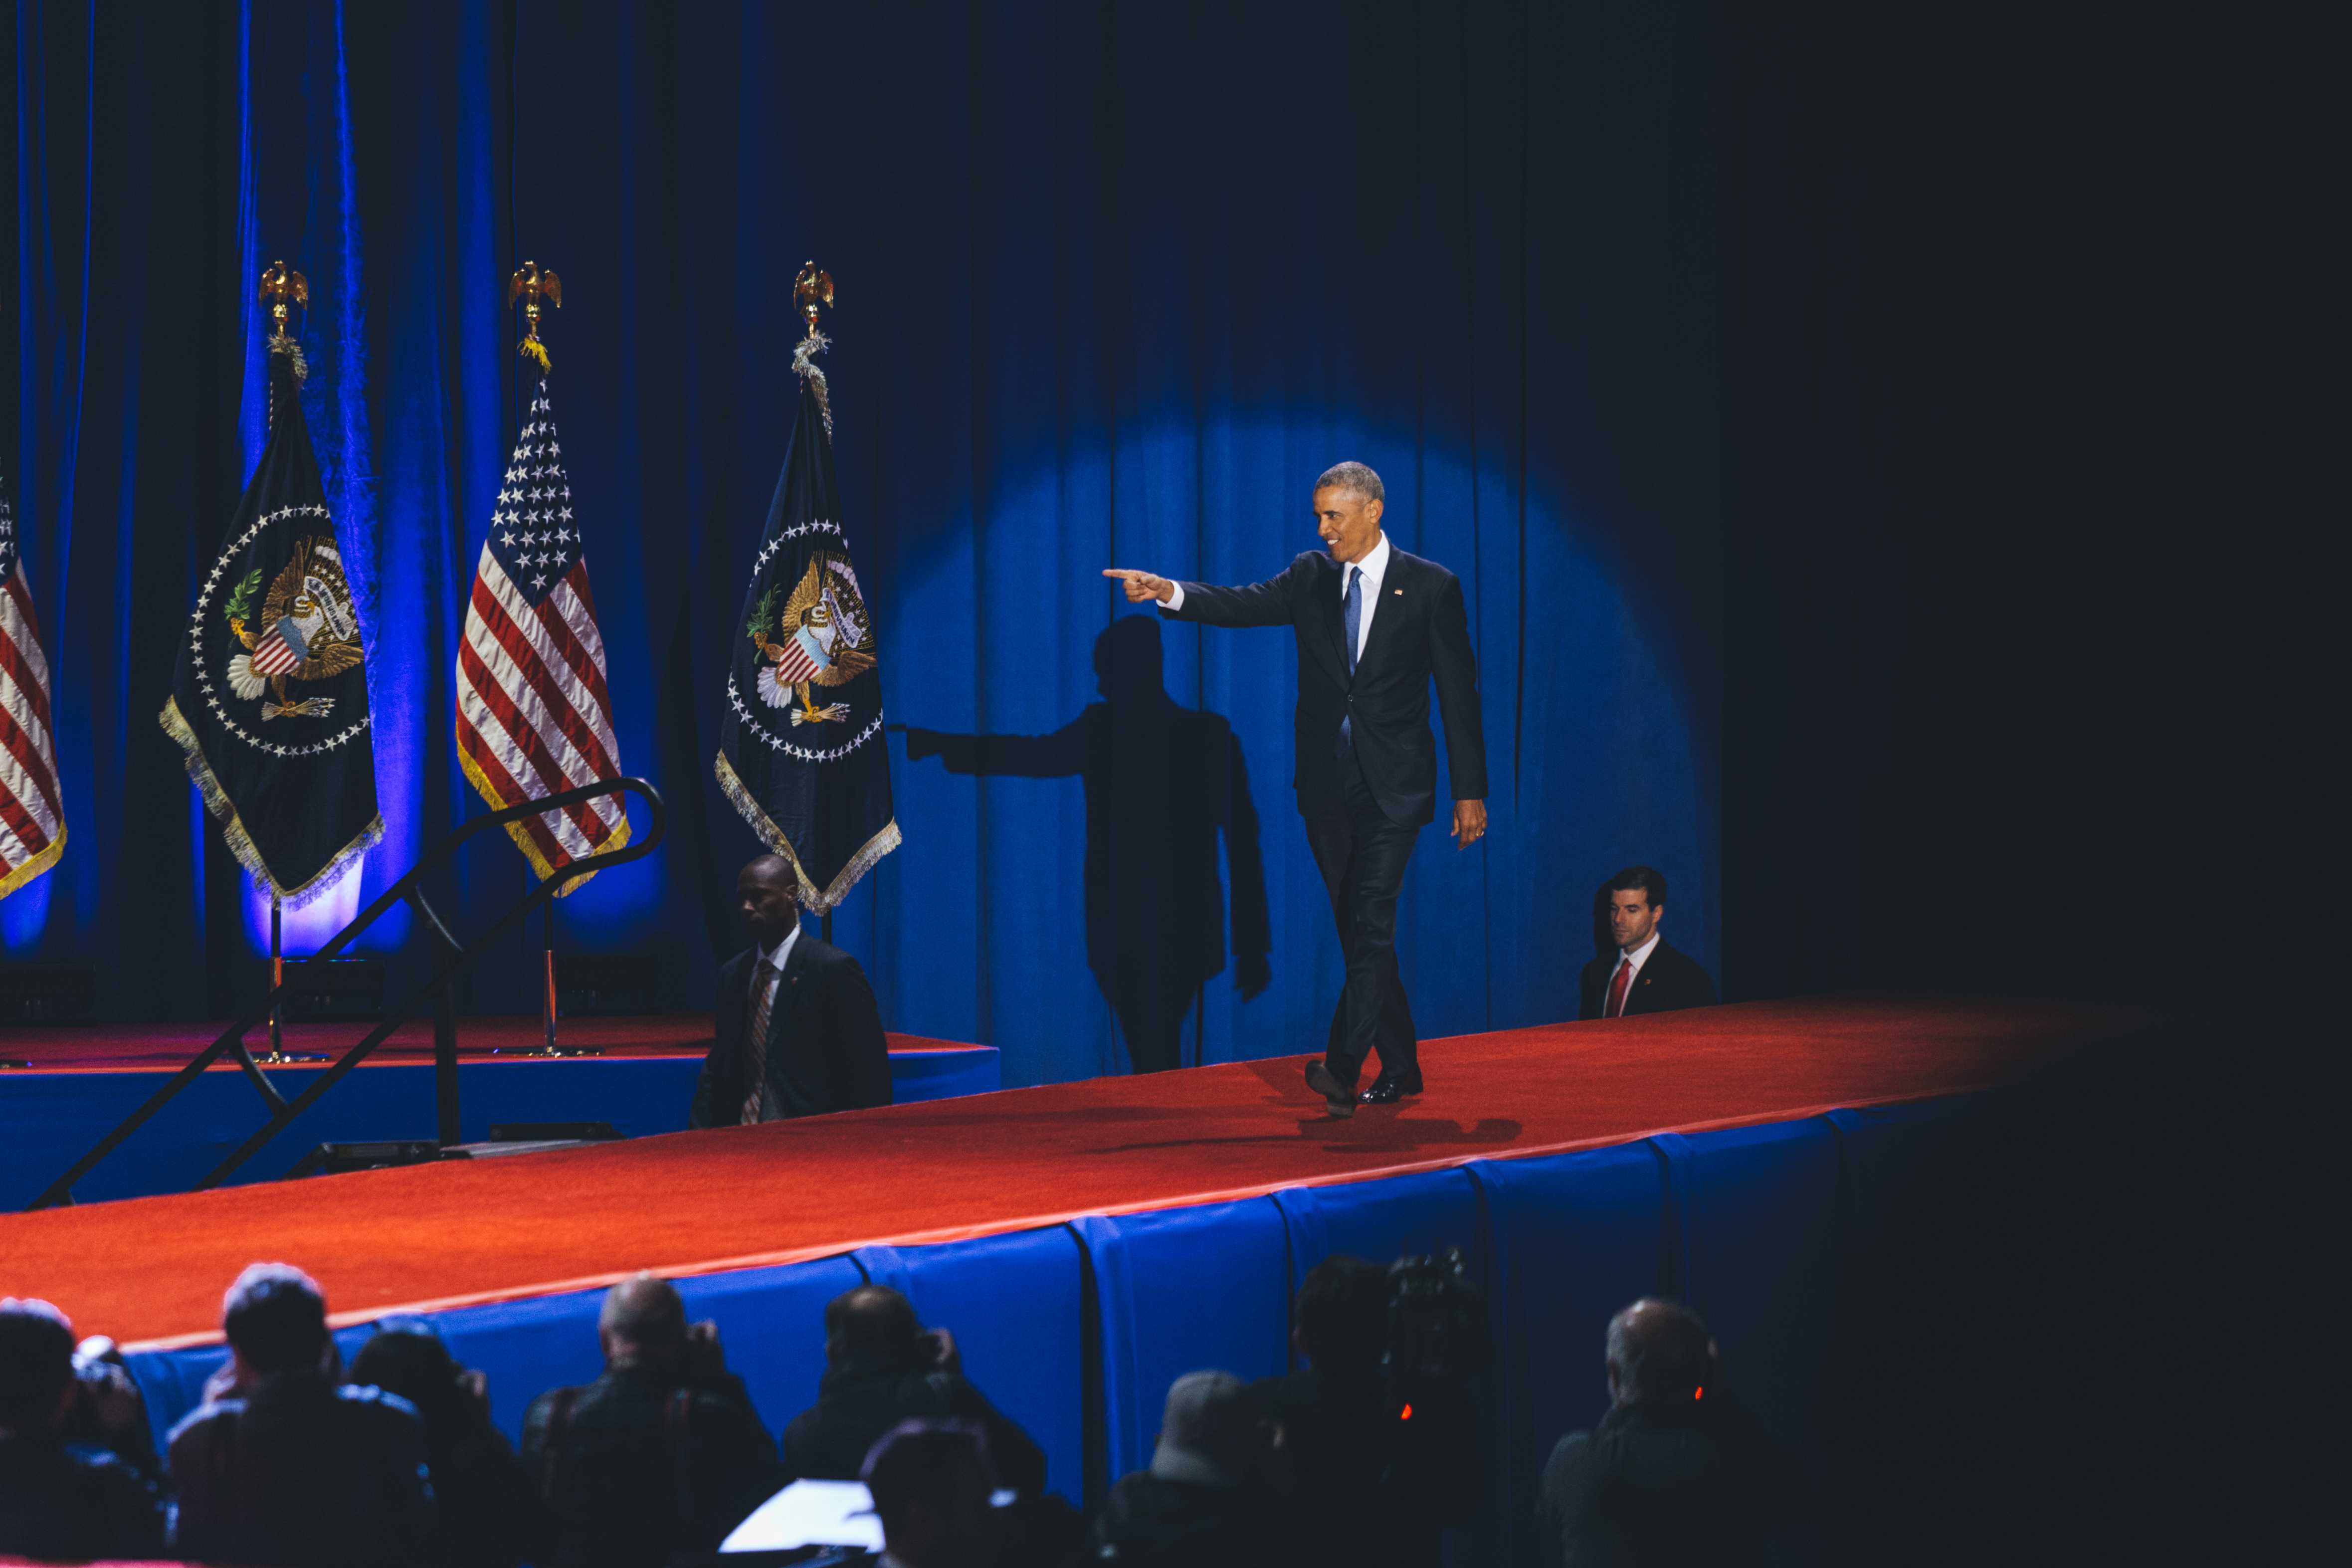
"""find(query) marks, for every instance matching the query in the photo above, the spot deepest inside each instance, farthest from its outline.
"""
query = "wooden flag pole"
(277, 980)
(278, 1056)
(812, 287)
(534, 288)
(549, 1045)
(281, 290)
(548, 1010)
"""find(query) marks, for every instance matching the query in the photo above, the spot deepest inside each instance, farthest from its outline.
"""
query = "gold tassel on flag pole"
(812, 288)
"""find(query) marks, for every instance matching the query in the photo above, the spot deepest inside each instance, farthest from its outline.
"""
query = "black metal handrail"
(452, 959)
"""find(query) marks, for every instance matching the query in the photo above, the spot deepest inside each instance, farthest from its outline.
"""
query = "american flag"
(32, 823)
(534, 716)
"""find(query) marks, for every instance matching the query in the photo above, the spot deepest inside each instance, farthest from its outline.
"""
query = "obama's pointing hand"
(1142, 587)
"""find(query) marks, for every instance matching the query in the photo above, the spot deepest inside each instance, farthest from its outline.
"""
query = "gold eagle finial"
(282, 288)
(812, 288)
(530, 284)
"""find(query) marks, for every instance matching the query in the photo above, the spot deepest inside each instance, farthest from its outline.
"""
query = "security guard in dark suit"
(1644, 975)
(807, 1005)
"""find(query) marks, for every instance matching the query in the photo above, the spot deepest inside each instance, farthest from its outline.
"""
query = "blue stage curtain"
(1116, 282)
(1017, 1307)
(1573, 1239)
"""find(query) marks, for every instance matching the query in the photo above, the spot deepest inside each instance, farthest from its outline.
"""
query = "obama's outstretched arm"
(1267, 604)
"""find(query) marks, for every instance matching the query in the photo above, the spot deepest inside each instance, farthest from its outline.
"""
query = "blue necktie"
(1351, 611)
(1352, 608)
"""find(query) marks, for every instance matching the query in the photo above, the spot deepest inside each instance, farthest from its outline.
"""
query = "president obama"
(1375, 627)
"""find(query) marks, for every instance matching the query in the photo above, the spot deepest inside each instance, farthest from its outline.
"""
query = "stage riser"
(49, 1119)
(1752, 1224)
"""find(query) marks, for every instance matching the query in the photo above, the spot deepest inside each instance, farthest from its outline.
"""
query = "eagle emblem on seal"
(307, 630)
(821, 636)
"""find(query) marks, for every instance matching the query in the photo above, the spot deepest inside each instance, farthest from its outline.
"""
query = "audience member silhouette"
(61, 1499)
(485, 1504)
(1369, 1481)
(934, 1488)
(1205, 1502)
(883, 1369)
(286, 1465)
(1162, 781)
(1676, 1472)
(662, 1455)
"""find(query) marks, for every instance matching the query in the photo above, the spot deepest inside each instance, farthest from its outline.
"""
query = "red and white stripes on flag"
(794, 662)
(534, 714)
(275, 654)
(32, 821)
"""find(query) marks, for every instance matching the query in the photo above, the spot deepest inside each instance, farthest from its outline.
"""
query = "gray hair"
(1661, 1349)
(1355, 477)
(647, 1311)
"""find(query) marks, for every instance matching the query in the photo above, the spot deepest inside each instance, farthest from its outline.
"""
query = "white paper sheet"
(810, 1513)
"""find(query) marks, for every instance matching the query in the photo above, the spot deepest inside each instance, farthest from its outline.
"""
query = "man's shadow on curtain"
(1162, 781)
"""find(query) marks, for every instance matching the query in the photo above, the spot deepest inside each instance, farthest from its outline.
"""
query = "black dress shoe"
(1390, 1087)
(1338, 1099)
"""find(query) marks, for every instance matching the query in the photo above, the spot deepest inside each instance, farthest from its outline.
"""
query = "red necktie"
(1625, 978)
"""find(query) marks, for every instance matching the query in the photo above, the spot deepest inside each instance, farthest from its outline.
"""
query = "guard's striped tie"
(755, 1043)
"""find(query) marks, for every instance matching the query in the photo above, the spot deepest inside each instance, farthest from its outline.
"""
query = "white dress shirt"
(1374, 568)
(1632, 959)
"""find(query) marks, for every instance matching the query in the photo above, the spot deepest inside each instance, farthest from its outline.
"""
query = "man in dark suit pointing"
(1375, 627)
(798, 1030)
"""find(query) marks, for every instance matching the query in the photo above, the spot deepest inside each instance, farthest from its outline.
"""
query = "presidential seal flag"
(32, 820)
(801, 752)
(270, 700)
(534, 715)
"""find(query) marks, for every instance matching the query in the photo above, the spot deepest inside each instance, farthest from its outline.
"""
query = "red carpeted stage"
(62, 1089)
(152, 1269)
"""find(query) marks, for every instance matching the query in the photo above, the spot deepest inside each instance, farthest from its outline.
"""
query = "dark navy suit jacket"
(825, 1048)
(1420, 635)
(1670, 981)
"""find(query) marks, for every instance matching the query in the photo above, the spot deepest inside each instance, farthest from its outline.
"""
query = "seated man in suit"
(798, 1032)
(1645, 976)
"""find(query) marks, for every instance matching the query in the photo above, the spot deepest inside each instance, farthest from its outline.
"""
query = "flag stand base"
(548, 1047)
(278, 1056)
